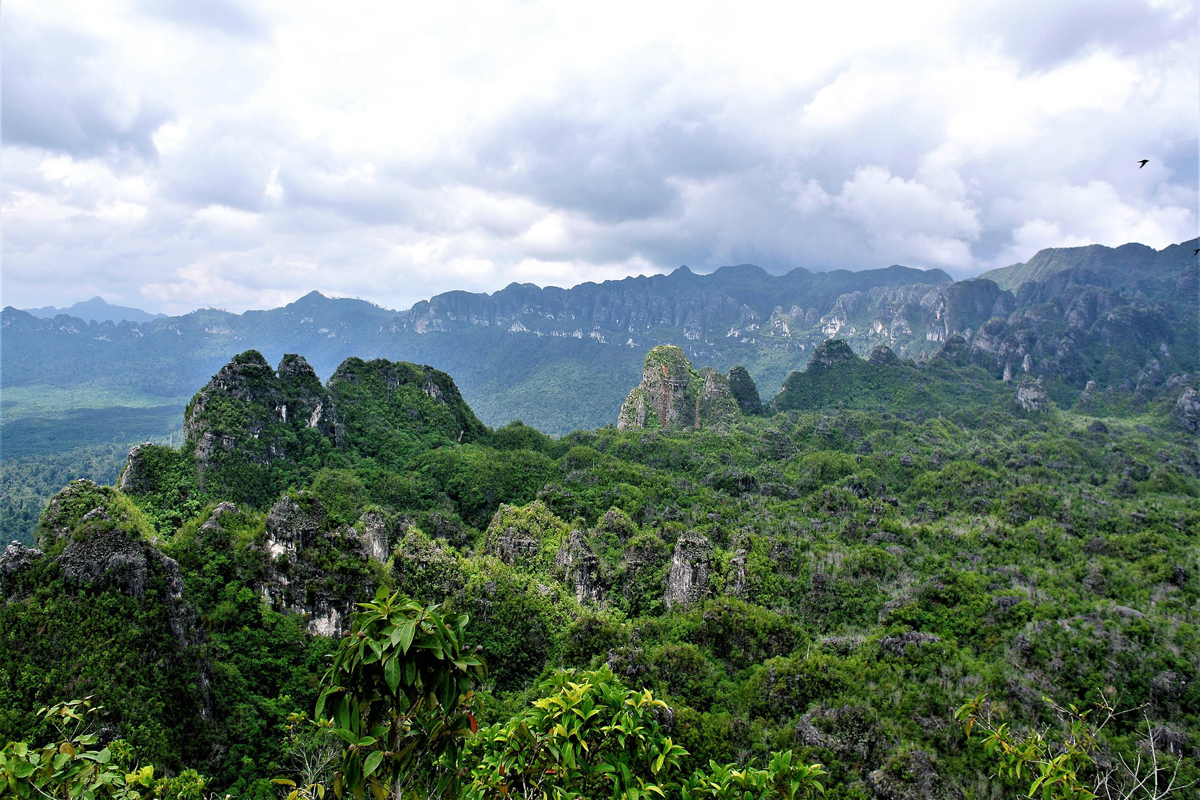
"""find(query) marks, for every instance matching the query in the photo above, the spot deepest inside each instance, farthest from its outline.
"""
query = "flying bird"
(1196, 252)
(1143, 162)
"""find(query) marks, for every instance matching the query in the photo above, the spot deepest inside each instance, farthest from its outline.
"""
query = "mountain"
(1120, 267)
(96, 310)
(564, 359)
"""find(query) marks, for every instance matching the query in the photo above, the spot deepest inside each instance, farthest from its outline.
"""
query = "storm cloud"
(178, 155)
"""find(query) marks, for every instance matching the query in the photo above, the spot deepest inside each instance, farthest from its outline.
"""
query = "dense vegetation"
(832, 579)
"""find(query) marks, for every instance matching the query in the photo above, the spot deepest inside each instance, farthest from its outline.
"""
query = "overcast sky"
(174, 155)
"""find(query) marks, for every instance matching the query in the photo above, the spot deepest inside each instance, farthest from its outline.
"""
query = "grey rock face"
(688, 575)
(1031, 396)
(372, 529)
(735, 582)
(104, 547)
(297, 540)
(579, 567)
(1187, 410)
(513, 546)
(673, 395)
(911, 776)
(15, 559)
(134, 478)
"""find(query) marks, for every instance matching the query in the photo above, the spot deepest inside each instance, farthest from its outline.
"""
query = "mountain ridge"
(562, 359)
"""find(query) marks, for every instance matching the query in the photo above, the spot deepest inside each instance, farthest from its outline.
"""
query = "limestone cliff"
(252, 429)
(317, 568)
(688, 575)
(673, 395)
(250, 418)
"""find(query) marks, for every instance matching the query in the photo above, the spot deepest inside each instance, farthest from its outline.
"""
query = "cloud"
(237, 19)
(1041, 35)
(237, 155)
(58, 96)
(910, 218)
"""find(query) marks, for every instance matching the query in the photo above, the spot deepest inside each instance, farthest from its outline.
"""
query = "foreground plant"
(399, 695)
(1062, 761)
(74, 766)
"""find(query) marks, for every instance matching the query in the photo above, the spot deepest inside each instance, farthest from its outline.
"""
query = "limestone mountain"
(96, 310)
(563, 359)
(673, 394)
(253, 430)
(1119, 267)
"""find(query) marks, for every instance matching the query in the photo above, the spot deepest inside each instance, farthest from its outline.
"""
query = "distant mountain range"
(563, 359)
(96, 310)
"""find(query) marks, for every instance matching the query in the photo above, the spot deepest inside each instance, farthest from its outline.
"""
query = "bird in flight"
(1143, 162)
(1196, 252)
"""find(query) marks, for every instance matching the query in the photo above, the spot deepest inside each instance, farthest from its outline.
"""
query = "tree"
(1062, 761)
(399, 695)
(586, 736)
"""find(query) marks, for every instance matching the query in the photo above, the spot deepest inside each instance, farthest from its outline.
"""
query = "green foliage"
(871, 568)
(586, 736)
(399, 693)
(77, 765)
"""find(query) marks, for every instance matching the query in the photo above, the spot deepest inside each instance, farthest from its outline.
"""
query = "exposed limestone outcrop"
(426, 567)
(15, 559)
(735, 581)
(312, 567)
(1187, 410)
(911, 776)
(517, 534)
(673, 395)
(688, 575)
(1031, 396)
(136, 478)
(884, 356)
(579, 567)
(247, 416)
(251, 426)
(830, 353)
(100, 540)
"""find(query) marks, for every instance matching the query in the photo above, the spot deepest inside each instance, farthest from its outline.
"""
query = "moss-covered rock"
(673, 395)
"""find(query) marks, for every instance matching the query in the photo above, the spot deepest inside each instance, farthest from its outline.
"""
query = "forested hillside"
(829, 575)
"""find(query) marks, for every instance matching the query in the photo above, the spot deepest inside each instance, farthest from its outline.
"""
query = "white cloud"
(186, 157)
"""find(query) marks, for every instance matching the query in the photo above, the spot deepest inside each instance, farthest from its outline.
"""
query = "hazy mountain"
(96, 310)
(1120, 266)
(563, 359)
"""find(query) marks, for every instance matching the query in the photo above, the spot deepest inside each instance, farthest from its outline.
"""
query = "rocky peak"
(741, 385)
(579, 567)
(99, 539)
(248, 418)
(955, 350)
(1187, 410)
(15, 559)
(673, 395)
(516, 534)
(884, 356)
(136, 478)
(830, 353)
(688, 575)
(314, 567)
(413, 399)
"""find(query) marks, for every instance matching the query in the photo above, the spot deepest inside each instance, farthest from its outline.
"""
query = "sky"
(236, 155)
